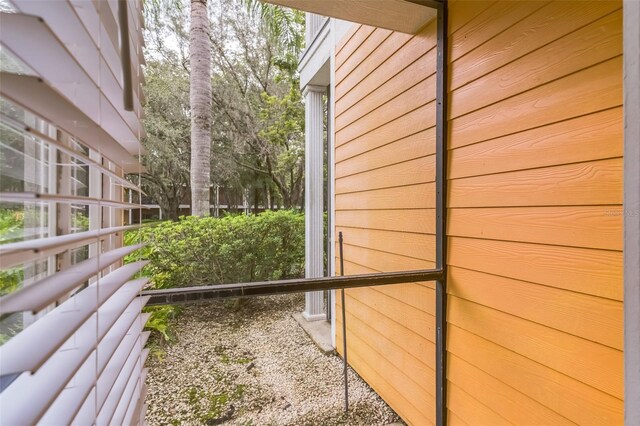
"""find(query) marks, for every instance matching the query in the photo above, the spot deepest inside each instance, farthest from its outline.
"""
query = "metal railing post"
(344, 333)
(441, 213)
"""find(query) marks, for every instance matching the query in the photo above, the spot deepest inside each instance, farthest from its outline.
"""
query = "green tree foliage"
(167, 150)
(257, 114)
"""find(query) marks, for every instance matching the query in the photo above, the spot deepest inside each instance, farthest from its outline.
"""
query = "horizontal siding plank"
(595, 43)
(416, 320)
(588, 362)
(391, 385)
(549, 28)
(421, 94)
(415, 146)
(593, 183)
(591, 137)
(587, 91)
(415, 221)
(361, 34)
(462, 12)
(593, 318)
(396, 60)
(492, 21)
(371, 59)
(415, 171)
(405, 80)
(346, 39)
(568, 397)
(470, 409)
(413, 122)
(360, 54)
(419, 296)
(381, 151)
(378, 261)
(586, 271)
(415, 369)
(515, 406)
(420, 196)
(596, 227)
(421, 246)
(454, 420)
(419, 345)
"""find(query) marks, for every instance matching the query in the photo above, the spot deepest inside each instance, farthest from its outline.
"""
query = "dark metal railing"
(204, 293)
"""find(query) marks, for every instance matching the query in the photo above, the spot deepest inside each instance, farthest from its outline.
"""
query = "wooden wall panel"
(406, 149)
(393, 87)
(375, 39)
(515, 406)
(549, 24)
(420, 196)
(592, 318)
(418, 220)
(586, 138)
(535, 190)
(534, 223)
(392, 62)
(385, 208)
(584, 92)
(570, 398)
(410, 172)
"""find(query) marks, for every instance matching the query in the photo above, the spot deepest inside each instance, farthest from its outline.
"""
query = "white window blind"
(72, 345)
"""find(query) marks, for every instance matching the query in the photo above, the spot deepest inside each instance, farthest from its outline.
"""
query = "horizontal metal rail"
(204, 293)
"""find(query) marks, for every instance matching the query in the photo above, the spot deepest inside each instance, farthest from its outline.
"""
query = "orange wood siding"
(385, 207)
(534, 229)
(535, 189)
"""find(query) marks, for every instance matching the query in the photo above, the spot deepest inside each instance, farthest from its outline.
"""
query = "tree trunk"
(200, 100)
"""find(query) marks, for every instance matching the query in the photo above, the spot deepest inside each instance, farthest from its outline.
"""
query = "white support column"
(631, 212)
(313, 198)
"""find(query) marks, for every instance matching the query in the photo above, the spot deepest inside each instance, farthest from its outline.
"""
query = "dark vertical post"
(330, 248)
(441, 214)
(344, 334)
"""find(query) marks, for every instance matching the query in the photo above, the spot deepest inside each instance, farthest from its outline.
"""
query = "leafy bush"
(231, 249)
(238, 248)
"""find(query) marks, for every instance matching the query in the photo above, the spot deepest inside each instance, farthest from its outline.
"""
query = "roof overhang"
(406, 16)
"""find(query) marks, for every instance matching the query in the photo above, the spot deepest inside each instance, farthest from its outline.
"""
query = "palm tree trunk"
(200, 100)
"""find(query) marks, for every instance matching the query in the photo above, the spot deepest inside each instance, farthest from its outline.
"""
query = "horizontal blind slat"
(114, 385)
(22, 197)
(109, 374)
(120, 329)
(117, 418)
(120, 335)
(21, 127)
(67, 404)
(27, 251)
(133, 411)
(46, 384)
(44, 292)
(79, 61)
(51, 331)
(33, 94)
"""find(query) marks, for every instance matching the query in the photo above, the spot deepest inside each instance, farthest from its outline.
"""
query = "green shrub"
(232, 249)
(238, 248)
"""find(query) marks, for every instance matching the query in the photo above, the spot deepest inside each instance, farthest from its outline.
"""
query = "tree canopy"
(257, 125)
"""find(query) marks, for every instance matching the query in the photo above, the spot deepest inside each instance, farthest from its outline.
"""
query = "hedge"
(232, 249)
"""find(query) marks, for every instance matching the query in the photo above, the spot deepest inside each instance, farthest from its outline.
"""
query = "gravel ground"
(253, 365)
